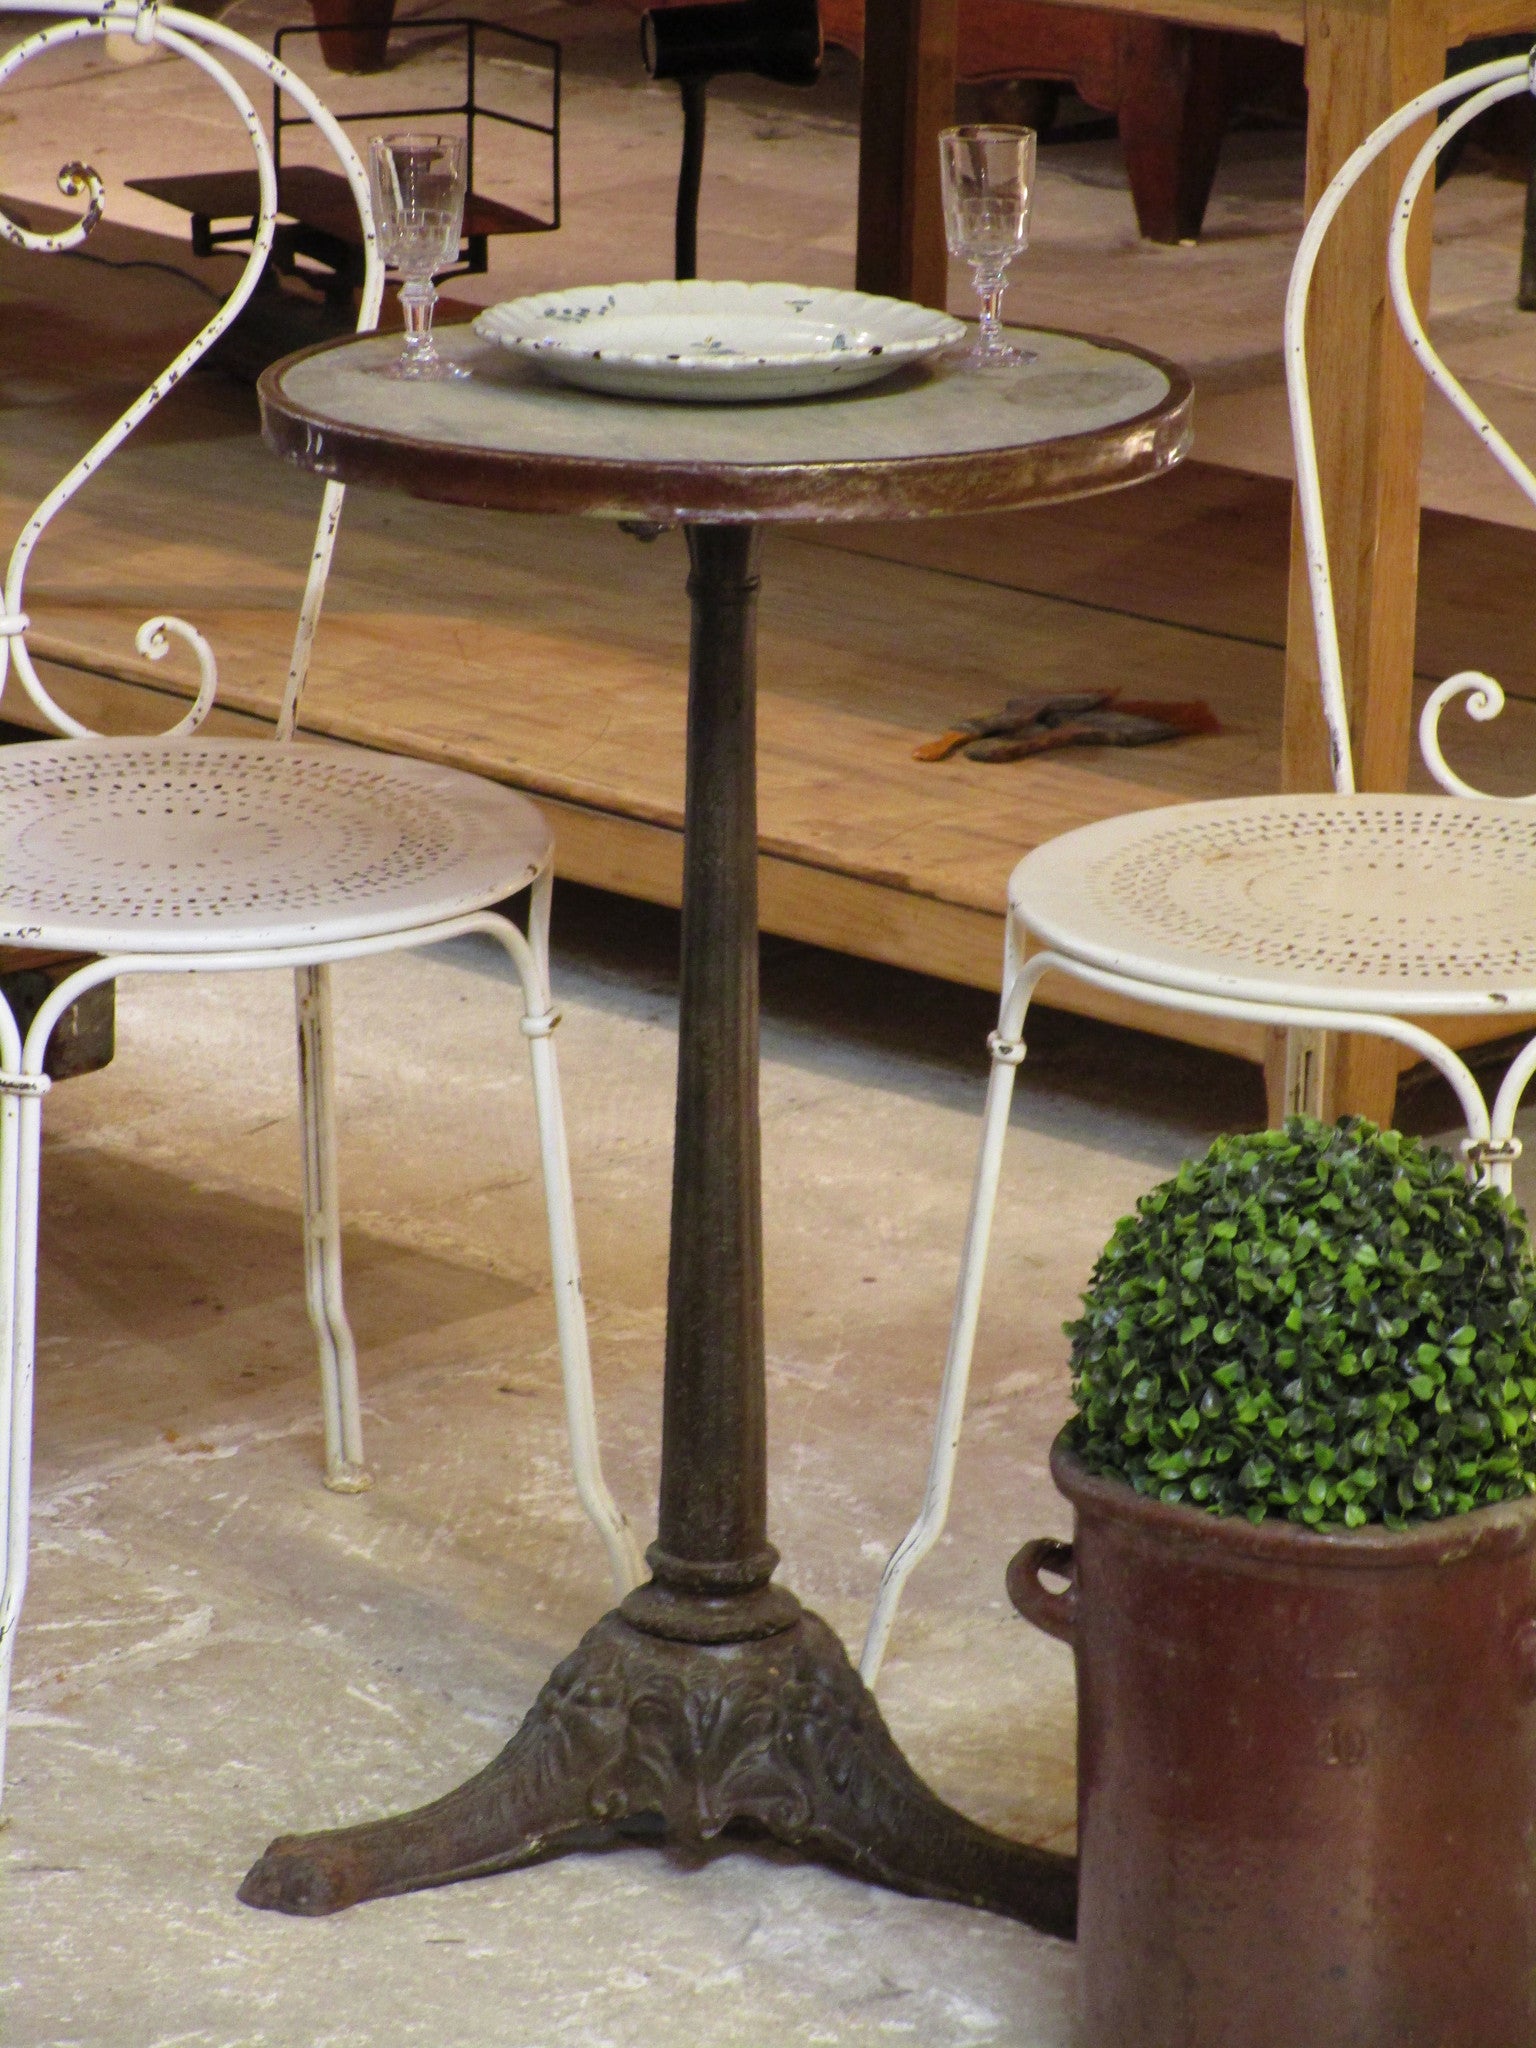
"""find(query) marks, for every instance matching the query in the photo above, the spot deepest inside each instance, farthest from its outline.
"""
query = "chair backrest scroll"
(1478, 89)
(207, 45)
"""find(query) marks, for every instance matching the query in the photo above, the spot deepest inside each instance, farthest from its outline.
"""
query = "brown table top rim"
(885, 487)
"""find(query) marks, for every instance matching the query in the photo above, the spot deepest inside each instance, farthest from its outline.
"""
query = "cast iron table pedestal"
(709, 1699)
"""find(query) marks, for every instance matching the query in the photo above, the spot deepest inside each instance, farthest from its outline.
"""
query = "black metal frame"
(340, 257)
(777, 39)
(469, 108)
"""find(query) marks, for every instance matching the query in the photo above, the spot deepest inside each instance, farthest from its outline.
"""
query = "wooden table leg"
(1364, 59)
(910, 53)
(1172, 108)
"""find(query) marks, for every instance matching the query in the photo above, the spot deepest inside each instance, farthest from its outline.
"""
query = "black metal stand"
(690, 172)
(710, 1699)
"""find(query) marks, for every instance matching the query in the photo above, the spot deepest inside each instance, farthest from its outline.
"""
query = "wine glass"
(418, 204)
(989, 179)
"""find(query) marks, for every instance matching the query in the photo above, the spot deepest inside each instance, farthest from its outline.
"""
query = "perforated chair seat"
(176, 854)
(1318, 916)
(1401, 905)
(189, 846)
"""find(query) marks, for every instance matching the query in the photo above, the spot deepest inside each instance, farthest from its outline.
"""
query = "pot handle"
(1056, 1613)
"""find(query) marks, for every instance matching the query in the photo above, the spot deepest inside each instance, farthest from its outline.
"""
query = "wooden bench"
(1169, 85)
(1364, 59)
(321, 223)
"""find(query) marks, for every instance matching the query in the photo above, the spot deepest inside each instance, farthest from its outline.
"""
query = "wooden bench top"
(1286, 19)
(317, 199)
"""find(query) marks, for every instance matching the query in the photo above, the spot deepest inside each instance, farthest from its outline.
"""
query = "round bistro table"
(709, 1698)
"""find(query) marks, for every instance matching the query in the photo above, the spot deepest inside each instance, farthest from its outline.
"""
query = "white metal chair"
(1321, 914)
(174, 854)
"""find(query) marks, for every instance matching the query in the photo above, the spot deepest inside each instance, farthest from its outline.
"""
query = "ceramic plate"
(717, 343)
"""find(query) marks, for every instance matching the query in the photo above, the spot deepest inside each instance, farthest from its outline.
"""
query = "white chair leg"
(345, 1471)
(1503, 1148)
(538, 1022)
(1007, 1048)
(20, 1137)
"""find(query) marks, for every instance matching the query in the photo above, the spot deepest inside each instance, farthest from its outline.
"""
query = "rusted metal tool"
(1081, 718)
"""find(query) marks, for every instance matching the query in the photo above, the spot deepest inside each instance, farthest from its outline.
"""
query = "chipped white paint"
(1479, 89)
(185, 35)
(161, 856)
(1314, 914)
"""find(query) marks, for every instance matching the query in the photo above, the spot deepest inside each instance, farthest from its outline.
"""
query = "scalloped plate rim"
(675, 374)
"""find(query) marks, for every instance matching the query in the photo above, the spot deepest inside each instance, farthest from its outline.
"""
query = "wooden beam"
(1287, 19)
(1469, 18)
(1283, 18)
(910, 50)
(1364, 59)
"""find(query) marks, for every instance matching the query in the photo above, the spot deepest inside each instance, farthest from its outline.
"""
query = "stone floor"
(215, 1649)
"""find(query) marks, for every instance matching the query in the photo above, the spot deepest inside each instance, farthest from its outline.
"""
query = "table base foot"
(634, 1732)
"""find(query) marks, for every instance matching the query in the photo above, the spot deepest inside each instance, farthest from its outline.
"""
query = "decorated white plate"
(715, 343)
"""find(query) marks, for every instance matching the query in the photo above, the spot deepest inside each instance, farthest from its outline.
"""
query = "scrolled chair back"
(208, 45)
(1477, 90)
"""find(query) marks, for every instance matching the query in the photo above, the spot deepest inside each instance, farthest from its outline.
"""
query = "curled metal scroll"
(1480, 88)
(1523, 80)
(1485, 700)
(72, 180)
(185, 35)
(1484, 697)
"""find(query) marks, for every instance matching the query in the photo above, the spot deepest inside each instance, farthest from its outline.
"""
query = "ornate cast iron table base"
(777, 1734)
(710, 1699)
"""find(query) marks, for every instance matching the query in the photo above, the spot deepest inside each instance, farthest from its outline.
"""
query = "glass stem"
(990, 286)
(418, 296)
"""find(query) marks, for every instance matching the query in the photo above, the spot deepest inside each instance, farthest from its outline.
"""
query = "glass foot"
(977, 355)
(432, 369)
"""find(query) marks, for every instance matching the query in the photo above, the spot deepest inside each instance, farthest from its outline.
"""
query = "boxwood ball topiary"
(1328, 1323)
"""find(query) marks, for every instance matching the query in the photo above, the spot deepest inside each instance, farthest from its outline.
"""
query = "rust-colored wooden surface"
(1168, 84)
(910, 49)
(1287, 19)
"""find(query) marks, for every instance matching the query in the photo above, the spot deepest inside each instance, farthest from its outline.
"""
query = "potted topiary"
(1302, 1599)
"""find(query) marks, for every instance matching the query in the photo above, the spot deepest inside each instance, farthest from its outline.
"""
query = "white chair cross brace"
(1316, 913)
(170, 854)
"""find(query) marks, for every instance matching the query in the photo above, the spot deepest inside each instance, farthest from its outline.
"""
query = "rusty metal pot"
(1306, 1774)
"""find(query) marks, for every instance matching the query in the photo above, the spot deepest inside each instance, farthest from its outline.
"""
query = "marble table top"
(1085, 415)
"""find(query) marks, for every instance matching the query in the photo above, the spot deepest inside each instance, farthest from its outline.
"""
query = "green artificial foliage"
(1328, 1323)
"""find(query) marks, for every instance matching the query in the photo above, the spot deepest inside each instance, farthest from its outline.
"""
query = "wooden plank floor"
(1208, 548)
(552, 655)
